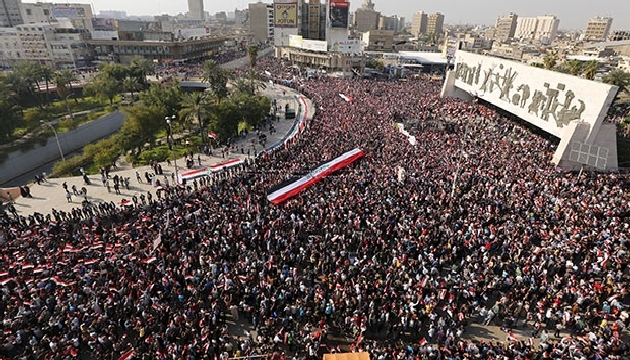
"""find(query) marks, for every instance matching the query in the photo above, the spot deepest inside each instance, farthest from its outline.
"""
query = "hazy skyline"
(573, 16)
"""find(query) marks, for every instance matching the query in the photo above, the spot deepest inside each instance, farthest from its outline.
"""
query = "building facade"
(261, 21)
(378, 40)
(195, 10)
(419, 23)
(366, 19)
(598, 29)
(619, 35)
(435, 23)
(158, 51)
(542, 29)
(80, 15)
(506, 27)
(10, 14)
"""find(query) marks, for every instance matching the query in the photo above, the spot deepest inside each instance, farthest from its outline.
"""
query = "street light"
(170, 142)
(56, 137)
(68, 106)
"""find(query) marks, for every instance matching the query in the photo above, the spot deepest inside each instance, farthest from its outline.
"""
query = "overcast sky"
(572, 14)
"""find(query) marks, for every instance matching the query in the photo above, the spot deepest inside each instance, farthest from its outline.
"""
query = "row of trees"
(227, 105)
(34, 85)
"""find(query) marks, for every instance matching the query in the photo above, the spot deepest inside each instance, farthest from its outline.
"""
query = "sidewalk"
(50, 195)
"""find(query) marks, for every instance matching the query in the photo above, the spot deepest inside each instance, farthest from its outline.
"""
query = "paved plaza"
(51, 195)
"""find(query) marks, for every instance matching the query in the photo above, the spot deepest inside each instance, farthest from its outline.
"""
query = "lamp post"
(170, 142)
(56, 137)
(68, 106)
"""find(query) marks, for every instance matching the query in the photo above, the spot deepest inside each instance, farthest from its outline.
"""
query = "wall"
(19, 162)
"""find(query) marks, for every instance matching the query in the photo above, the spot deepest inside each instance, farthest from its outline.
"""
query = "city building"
(10, 14)
(390, 23)
(195, 10)
(378, 40)
(10, 47)
(287, 22)
(366, 19)
(241, 19)
(598, 29)
(113, 14)
(261, 21)
(619, 35)
(505, 27)
(157, 47)
(542, 29)
(419, 23)
(80, 15)
(435, 23)
(313, 20)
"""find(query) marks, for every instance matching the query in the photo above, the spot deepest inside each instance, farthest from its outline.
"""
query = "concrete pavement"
(50, 195)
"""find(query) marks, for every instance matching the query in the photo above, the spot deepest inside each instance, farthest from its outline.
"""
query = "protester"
(481, 228)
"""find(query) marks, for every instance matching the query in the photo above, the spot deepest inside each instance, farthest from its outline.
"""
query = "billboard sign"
(66, 12)
(285, 14)
(347, 46)
(103, 24)
(547, 99)
(314, 45)
(338, 14)
(295, 41)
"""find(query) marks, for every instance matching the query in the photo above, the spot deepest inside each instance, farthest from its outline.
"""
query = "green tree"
(550, 60)
(116, 72)
(590, 69)
(252, 54)
(619, 78)
(574, 66)
(63, 83)
(11, 114)
(25, 77)
(139, 68)
(141, 127)
(165, 97)
(255, 81)
(217, 77)
(104, 86)
(131, 84)
(196, 106)
(47, 74)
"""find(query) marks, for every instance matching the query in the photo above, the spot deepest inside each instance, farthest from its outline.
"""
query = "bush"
(160, 153)
(71, 166)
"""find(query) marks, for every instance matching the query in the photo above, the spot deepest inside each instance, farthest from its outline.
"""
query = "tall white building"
(195, 9)
(541, 29)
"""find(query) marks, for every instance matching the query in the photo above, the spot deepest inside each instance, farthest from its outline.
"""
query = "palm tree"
(63, 83)
(574, 66)
(196, 106)
(619, 78)
(255, 81)
(131, 84)
(252, 53)
(590, 69)
(550, 60)
(140, 68)
(217, 77)
(47, 74)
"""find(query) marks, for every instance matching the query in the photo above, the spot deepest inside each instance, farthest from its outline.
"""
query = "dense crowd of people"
(401, 254)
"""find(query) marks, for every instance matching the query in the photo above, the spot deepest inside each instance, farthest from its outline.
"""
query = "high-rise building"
(80, 15)
(261, 21)
(313, 20)
(506, 27)
(419, 23)
(366, 19)
(541, 29)
(598, 28)
(10, 14)
(195, 10)
(435, 23)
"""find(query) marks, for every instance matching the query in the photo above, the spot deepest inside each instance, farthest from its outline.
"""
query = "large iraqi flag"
(293, 188)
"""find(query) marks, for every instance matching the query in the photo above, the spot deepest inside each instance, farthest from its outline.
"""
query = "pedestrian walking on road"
(68, 195)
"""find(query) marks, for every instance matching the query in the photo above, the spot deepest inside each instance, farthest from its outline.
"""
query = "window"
(46, 12)
(29, 12)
